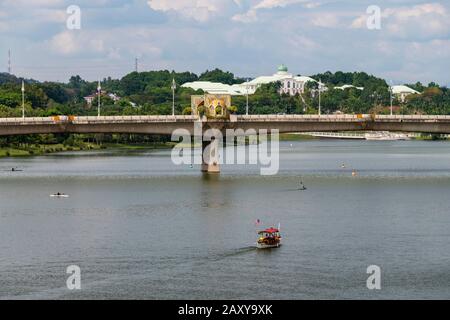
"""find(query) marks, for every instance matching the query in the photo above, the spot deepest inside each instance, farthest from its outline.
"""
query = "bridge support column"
(210, 156)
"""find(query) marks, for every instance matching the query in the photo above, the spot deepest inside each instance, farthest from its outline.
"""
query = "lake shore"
(30, 150)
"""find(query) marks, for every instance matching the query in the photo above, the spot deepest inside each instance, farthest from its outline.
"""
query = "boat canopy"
(270, 230)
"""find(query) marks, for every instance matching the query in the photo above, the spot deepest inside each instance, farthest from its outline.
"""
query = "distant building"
(215, 87)
(90, 98)
(401, 92)
(348, 86)
(290, 84)
(114, 97)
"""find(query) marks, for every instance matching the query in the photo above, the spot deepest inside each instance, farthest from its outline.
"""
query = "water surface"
(141, 227)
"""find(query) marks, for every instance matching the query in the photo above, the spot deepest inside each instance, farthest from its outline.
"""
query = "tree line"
(150, 93)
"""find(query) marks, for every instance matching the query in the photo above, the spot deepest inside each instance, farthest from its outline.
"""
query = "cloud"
(251, 14)
(135, 41)
(64, 43)
(269, 4)
(325, 20)
(199, 10)
(50, 15)
(302, 42)
(196, 35)
(32, 3)
(69, 43)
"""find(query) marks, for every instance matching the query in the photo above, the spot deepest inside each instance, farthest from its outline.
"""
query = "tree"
(187, 111)
(218, 75)
(55, 91)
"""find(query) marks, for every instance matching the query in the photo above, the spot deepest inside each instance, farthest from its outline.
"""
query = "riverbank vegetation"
(149, 93)
(40, 144)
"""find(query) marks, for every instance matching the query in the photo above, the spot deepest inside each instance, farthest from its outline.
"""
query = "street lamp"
(320, 83)
(174, 87)
(23, 99)
(246, 107)
(99, 91)
(390, 91)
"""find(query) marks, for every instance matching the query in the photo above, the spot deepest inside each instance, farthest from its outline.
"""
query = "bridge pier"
(210, 156)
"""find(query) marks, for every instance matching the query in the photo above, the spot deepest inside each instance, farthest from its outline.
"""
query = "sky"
(247, 37)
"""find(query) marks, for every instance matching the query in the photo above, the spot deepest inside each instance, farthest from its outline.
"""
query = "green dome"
(282, 68)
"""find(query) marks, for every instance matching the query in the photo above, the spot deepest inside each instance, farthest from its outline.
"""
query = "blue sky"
(247, 37)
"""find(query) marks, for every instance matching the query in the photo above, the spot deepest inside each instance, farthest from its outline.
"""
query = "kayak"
(59, 195)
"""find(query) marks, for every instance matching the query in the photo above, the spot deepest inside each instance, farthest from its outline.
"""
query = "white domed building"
(290, 84)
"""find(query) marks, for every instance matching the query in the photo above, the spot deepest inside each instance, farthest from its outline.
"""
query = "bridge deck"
(239, 118)
(166, 124)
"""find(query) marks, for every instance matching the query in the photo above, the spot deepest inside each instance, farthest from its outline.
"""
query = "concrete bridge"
(165, 125)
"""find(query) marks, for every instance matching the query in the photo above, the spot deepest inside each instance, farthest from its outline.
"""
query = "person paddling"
(302, 186)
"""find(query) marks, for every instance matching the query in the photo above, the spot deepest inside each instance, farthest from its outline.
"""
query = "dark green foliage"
(218, 75)
(150, 93)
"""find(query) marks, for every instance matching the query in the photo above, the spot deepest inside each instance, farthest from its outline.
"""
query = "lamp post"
(99, 92)
(174, 87)
(320, 111)
(23, 99)
(246, 107)
(390, 91)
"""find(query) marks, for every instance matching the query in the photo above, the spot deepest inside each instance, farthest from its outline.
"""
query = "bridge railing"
(345, 117)
(27, 120)
(298, 117)
(89, 119)
(396, 118)
(243, 118)
(134, 119)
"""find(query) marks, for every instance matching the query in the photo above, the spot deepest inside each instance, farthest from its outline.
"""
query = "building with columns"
(290, 84)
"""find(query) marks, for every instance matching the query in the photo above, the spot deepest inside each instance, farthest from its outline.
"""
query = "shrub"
(187, 111)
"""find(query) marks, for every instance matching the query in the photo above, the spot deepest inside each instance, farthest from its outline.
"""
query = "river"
(140, 227)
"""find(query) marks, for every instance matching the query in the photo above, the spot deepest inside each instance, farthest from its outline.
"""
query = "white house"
(89, 99)
(348, 86)
(114, 97)
(214, 87)
(401, 92)
(290, 84)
